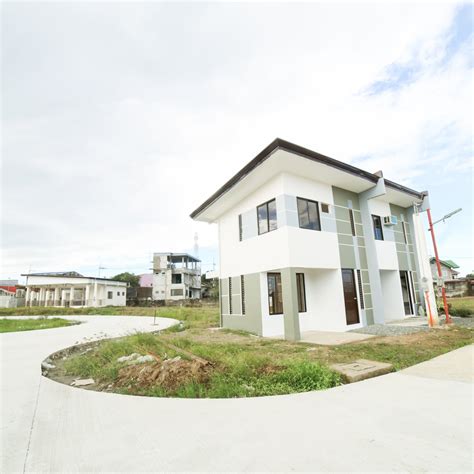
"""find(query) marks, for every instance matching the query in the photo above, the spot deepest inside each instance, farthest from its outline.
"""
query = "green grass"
(239, 370)
(14, 325)
(193, 317)
(245, 366)
(461, 306)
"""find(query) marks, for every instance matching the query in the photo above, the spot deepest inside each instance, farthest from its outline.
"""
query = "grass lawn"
(205, 316)
(24, 324)
(461, 306)
(240, 364)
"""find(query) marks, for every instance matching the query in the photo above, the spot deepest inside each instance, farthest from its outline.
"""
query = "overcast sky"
(119, 119)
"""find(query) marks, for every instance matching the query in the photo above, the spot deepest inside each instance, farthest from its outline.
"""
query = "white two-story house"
(307, 242)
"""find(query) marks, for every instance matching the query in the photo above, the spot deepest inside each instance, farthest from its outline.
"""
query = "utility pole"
(438, 264)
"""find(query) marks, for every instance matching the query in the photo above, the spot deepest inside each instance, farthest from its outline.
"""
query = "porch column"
(46, 296)
(88, 288)
(291, 318)
(63, 297)
(95, 294)
(27, 297)
(56, 296)
(41, 296)
(71, 295)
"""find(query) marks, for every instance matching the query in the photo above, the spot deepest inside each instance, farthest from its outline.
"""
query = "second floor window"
(308, 214)
(377, 224)
(267, 217)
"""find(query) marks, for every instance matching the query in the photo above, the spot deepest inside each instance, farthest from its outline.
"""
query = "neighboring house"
(176, 276)
(73, 289)
(448, 271)
(307, 242)
(12, 295)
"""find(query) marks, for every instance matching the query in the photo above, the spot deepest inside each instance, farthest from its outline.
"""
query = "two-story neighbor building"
(176, 276)
(73, 289)
(307, 242)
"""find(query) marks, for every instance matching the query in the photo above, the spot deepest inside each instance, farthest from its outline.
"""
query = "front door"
(406, 293)
(350, 296)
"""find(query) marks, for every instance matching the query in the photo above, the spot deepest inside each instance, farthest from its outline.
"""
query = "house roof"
(67, 275)
(446, 263)
(279, 144)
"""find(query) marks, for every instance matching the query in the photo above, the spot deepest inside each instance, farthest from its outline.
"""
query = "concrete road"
(415, 420)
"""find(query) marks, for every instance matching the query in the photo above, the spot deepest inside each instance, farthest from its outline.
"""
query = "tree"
(130, 278)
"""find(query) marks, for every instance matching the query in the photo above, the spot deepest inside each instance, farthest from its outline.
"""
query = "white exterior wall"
(392, 295)
(251, 255)
(284, 247)
(386, 249)
(324, 302)
(315, 253)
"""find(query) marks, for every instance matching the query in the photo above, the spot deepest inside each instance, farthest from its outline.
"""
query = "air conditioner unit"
(390, 220)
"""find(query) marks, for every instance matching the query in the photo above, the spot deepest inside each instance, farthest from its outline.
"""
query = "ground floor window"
(109, 295)
(275, 297)
(301, 290)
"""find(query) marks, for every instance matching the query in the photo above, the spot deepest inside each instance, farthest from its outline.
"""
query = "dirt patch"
(169, 374)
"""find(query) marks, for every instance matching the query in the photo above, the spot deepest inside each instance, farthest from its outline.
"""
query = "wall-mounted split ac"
(390, 220)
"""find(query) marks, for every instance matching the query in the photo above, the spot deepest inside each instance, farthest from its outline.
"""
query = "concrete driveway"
(414, 420)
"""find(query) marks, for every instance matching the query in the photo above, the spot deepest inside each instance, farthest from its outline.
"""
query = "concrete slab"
(332, 338)
(362, 369)
(51, 427)
(457, 366)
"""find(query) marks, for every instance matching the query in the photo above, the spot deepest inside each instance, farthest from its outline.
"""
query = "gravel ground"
(390, 329)
(464, 322)
(404, 327)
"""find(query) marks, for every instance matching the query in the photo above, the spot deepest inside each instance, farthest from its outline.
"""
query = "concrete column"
(88, 289)
(63, 297)
(71, 295)
(41, 297)
(94, 303)
(56, 295)
(371, 249)
(27, 296)
(290, 305)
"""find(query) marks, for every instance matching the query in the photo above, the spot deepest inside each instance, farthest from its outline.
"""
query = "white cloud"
(120, 119)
